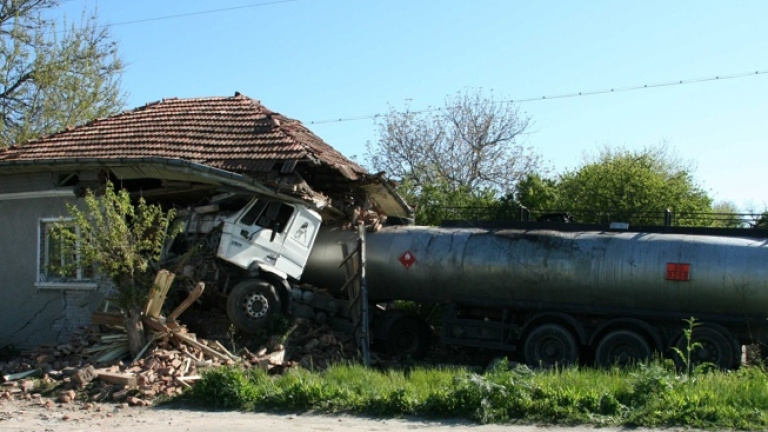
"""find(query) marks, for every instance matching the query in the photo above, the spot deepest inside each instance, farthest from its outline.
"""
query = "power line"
(569, 95)
(210, 11)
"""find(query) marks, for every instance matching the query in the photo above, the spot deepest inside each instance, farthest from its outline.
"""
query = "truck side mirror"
(275, 229)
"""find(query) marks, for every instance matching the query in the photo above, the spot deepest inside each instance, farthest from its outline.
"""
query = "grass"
(650, 395)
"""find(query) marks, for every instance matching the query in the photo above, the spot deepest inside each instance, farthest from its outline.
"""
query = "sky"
(317, 60)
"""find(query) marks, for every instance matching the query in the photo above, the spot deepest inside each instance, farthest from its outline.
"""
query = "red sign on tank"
(678, 271)
(407, 259)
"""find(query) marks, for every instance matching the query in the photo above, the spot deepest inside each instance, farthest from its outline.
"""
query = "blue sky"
(315, 60)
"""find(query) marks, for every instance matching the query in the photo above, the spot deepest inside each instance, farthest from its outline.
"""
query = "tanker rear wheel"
(408, 336)
(550, 345)
(622, 348)
(713, 347)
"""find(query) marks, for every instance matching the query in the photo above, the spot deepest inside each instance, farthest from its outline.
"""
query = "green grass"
(646, 395)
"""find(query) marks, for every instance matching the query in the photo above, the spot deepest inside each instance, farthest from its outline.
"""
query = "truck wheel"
(622, 348)
(252, 304)
(714, 348)
(408, 336)
(549, 345)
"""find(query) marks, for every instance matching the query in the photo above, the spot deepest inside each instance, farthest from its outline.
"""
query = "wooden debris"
(113, 354)
(193, 296)
(108, 318)
(18, 376)
(202, 347)
(116, 378)
(171, 362)
(157, 294)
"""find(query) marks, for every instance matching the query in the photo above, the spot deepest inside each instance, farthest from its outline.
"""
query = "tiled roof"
(235, 133)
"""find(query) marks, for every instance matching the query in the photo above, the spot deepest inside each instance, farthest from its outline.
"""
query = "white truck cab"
(270, 235)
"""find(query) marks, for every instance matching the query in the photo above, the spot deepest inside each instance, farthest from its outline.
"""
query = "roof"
(236, 134)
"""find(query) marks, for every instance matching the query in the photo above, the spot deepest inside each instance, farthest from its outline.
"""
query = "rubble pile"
(93, 366)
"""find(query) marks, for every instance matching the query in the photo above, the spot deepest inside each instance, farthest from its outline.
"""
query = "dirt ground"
(27, 416)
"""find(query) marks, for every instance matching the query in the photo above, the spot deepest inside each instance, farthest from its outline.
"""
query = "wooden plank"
(221, 348)
(191, 298)
(108, 318)
(152, 340)
(155, 325)
(113, 354)
(99, 348)
(18, 376)
(190, 378)
(157, 294)
(113, 337)
(204, 348)
(116, 378)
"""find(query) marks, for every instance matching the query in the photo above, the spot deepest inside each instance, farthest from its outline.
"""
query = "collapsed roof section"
(175, 141)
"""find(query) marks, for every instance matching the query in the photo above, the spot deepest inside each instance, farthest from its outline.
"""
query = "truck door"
(257, 235)
(299, 240)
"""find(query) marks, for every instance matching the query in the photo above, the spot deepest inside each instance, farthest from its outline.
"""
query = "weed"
(685, 356)
(232, 335)
(649, 395)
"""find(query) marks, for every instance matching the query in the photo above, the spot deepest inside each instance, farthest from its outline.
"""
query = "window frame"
(269, 213)
(44, 282)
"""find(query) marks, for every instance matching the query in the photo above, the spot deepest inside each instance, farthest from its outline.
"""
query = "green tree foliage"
(53, 74)
(463, 153)
(439, 201)
(538, 193)
(725, 214)
(121, 239)
(622, 185)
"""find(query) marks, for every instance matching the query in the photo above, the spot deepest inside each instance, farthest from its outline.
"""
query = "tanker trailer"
(564, 292)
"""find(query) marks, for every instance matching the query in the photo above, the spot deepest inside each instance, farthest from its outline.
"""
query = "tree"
(726, 215)
(632, 186)
(439, 201)
(760, 222)
(539, 193)
(121, 240)
(471, 143)
(53, 75)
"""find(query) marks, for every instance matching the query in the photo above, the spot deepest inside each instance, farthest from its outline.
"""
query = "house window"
(58, 264)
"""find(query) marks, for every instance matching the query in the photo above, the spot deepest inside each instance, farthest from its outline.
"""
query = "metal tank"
(683, 273)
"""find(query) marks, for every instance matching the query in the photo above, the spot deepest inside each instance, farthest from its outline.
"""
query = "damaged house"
(177, 152)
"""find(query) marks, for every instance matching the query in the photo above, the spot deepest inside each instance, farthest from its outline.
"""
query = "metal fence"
(658, 218)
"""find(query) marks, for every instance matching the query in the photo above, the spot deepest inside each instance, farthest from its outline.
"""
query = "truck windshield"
(268, 214)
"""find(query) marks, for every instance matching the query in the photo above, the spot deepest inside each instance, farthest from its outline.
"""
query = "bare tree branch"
(471, 142)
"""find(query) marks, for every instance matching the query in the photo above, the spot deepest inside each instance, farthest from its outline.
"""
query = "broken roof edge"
(369, 184)
(206, 172)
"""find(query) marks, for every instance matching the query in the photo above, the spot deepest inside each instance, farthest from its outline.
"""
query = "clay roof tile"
(235, 133)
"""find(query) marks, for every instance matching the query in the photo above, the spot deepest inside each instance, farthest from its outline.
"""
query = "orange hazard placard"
(678, 271)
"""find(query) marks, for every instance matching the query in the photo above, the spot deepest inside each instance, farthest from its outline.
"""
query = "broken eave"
(162, 168)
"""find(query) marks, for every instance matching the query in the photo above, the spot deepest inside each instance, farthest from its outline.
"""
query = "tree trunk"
(135, 330)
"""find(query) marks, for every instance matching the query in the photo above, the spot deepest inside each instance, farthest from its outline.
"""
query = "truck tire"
(252, 304)
(622, 348)
(408, 336)
(550, 345)
(714, 348)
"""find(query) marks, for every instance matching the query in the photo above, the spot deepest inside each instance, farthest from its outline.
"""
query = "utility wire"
(186, 14)
(568, 95)
(210, 11)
